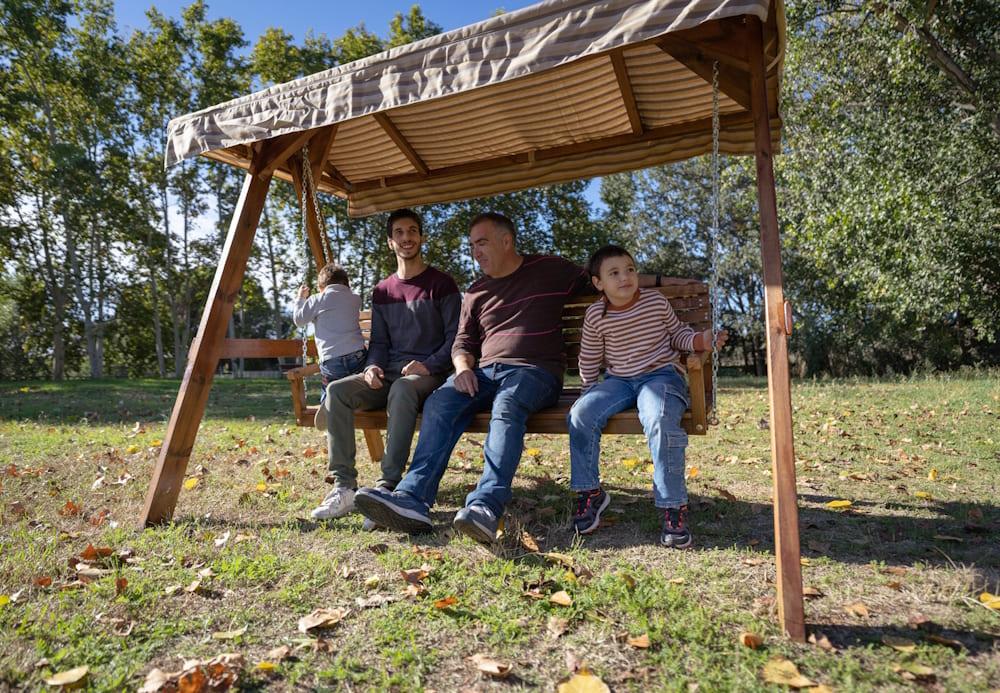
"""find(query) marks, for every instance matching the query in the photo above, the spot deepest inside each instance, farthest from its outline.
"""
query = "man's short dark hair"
(405, 213)
(332, 274)
(499, 220)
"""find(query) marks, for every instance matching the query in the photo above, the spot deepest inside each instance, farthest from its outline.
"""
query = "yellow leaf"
(68, 678)
(923, 494)
(229, 634)
(4, 600)
(156, 442)
(899, 643)
(24, 389)
(785, 673)
(533, 452)
(991, 601)
(191, 483)
(262, 487)
(838, 504)
(640, 642)
(565, 559)
(649, 469)
(583, 682)
(630, 463)
(692, 473)
(804, 561)
(751, 640)
(932, 475)
(857, 609)
(912, 670)
(266, 666)
(131, 449)
(561, 598)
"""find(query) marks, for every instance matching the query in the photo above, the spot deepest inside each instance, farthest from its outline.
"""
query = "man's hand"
(466, 382)
(304, 291)
(374, 377)
(415, 368)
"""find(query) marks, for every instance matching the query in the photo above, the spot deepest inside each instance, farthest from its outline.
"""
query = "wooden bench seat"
(691, 303)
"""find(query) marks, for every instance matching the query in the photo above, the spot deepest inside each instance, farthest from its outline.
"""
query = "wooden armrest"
(698, 359)
(302, 371)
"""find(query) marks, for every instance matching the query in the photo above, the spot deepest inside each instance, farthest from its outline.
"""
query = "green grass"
(915, 545)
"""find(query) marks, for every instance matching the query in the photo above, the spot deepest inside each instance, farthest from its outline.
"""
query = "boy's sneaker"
(477, 521)
(589, 506)
(369, 525)
(675, 534)
(398, 511)
(338, 502)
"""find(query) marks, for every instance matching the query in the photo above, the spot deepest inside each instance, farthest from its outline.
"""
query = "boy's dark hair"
(606, 253)
(332, 274)
(499, 220)
(405, 213)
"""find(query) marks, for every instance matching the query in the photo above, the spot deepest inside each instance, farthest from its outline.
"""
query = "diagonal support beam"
(404, 146)
(165, 486)
(699, 57)
(786, 513)
(276, 151)
(625, 87)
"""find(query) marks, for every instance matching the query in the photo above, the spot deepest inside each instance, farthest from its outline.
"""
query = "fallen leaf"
(556, 626)
(559, 558)
(229, 634)
(415, 575)
(69, 678)
(914, 671)
(194, 587)
(42, 581)
(93, 553)
(899, 643)
(376, 600)
(895, 585)
(751, 640)
(811, 593)
(533, 452)
(492, 667)
(321, 618)
(561, 598)
(692, 473)
(726, 494)
(990, 601)
(948, 537)
(954, 644)
(191, 483)
(4, 600)
(132, 449)
(932, 475)
(266, 666)
(822, 642)
(70, 509)
(372, 582)
(583, 682)
(221, 541)
(628, 580)
(279, 654)
(120, 585)
(857, 609)
(528, 541)
(446, 602)
(785, 673)
(839, 504)
(923, 494)
(640, 642)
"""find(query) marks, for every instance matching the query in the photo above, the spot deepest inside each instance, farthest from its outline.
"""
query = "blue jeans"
(662, 397)
(515, 393)
(340, 367)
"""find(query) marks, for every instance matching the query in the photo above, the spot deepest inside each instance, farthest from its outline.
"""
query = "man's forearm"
(463, 362)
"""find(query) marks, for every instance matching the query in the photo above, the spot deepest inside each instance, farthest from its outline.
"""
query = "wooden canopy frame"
(739, 47)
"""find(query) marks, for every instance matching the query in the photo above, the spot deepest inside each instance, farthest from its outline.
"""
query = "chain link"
(307, 180)
(714, 245)
(306, 259)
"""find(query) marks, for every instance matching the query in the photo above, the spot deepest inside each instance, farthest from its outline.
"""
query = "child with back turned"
(636, 335)
(334, 314)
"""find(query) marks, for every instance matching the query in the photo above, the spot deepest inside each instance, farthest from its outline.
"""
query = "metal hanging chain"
(307, 181)
(714, 246)
(306, 255)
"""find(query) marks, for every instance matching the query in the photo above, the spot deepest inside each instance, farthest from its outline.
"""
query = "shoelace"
(583, 501)
(675, 518)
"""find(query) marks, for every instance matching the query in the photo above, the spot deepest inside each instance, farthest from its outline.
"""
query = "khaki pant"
(401, 396)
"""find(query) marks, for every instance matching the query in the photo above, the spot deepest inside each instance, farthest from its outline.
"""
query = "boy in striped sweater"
(635, 334)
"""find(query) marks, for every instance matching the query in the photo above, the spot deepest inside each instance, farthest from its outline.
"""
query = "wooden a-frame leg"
(376, 448)
(204, 355)
(786, 516)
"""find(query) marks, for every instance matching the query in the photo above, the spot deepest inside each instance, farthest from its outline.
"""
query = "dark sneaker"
(589, 506)
(676, 534)
(399, 511)
(370, 525)
(477, 521)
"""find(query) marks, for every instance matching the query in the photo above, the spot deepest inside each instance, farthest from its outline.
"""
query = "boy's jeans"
(662, 397)
(340, 367)
(515, 393)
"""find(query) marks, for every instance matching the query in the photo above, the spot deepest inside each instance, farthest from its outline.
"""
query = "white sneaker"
(338, 502)
(369, 525)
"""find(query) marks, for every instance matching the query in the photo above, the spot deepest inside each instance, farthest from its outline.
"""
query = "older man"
(509, 357)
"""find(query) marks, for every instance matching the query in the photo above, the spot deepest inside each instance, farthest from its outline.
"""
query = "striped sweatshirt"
(636, 338)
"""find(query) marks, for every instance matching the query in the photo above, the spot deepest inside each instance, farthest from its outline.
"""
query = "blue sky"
(330, 18)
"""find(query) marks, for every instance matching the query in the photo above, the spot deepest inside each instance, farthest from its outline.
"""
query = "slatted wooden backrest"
(689, 301)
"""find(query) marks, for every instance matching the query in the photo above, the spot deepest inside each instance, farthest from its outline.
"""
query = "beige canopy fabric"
(558, 91)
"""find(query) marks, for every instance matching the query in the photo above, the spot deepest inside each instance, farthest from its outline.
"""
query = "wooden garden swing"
(561, 90)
